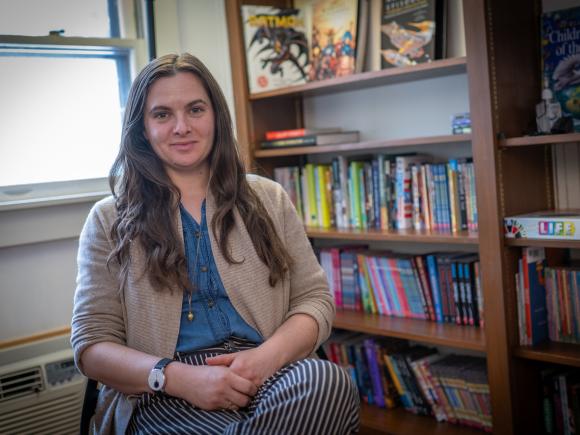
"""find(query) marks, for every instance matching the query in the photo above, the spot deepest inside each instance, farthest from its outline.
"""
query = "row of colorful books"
(442, 287)
(386, 192)
(548, 300)
(390, 372)
(561, 401)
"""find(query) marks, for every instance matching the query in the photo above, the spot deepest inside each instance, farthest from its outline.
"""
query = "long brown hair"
(147, 201)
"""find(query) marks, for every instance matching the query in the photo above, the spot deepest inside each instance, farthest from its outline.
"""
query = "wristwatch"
(157, 378)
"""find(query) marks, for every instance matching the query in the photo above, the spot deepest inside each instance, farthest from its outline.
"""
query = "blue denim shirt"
(215, 318)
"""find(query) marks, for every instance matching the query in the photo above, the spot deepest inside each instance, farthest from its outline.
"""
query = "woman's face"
(179, 123)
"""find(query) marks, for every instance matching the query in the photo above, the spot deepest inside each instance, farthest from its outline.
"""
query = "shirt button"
(197, 234)
(203, 268)
(210, 303)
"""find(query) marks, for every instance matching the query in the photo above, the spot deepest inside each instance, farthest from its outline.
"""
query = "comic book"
(276, 47)
(333, 38)
(411, 32)
(561, 59)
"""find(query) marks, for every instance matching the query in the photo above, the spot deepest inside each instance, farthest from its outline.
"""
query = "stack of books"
(308, 137)
(389, 372)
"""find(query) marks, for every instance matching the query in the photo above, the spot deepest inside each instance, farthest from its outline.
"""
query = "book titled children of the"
(411, 32)
(561, 59)
(276, 47)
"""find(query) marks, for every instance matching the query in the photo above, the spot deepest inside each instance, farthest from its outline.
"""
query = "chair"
(89, 405)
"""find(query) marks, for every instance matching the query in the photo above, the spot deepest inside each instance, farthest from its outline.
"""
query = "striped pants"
(310, 396)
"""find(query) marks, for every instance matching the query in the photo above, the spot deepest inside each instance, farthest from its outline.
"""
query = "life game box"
(564, 225)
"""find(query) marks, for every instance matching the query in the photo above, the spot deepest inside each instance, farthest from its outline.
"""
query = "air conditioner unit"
(41, 391)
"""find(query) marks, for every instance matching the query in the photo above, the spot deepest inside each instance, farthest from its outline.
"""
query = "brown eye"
(160, 115)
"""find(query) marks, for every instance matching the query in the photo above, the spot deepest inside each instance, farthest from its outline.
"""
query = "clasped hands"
(228, 381)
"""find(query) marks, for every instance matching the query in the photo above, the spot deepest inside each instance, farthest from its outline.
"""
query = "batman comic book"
(561, 59)
(276, 47)
(411, 32)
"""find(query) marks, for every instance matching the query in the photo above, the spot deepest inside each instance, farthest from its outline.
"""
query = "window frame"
(56, 193)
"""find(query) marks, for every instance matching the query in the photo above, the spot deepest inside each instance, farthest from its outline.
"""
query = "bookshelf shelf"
(361, 147)
(410, 236)
(445, 334)
(397, 421)
(552, 352)
(548, 243)
(540, 140)
(437, 68)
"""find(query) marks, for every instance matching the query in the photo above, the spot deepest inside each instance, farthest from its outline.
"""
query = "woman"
(198, 296)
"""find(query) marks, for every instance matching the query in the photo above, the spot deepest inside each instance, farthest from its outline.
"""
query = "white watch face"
(156, 380)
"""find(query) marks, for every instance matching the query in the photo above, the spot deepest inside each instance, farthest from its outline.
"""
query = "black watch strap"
(162, 364)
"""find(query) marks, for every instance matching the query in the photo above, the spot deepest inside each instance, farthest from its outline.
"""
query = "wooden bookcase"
(524, 183)
(513, 175)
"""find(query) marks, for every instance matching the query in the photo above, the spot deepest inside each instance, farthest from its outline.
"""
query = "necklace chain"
(190, 315)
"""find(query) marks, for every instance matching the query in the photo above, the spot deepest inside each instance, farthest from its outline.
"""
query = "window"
(65, 70)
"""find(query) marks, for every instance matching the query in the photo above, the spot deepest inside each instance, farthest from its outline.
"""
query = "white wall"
(402, 110)
(198, 27)
(38, 246)
(37, 286)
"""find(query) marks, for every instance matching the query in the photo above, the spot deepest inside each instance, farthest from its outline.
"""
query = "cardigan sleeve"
(309, 290)
(98, 310)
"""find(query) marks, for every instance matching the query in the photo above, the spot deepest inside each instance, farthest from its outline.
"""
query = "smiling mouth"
(183, 144)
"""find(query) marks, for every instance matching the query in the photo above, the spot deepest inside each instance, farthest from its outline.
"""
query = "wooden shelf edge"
(559, 353)
(444, 334)
(463, 238)
(397, 421)
(540, 140)
(361, 146)
(548, 243)
(436, 68)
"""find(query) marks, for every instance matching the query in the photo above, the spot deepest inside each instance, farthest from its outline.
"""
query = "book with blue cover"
(374, 373)
(561, 59)
(436, 291)
(534, 264)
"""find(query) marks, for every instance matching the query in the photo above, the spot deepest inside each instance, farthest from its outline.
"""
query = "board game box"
(544, 225)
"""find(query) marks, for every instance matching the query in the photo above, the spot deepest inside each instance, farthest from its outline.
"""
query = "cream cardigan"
(148, 320)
